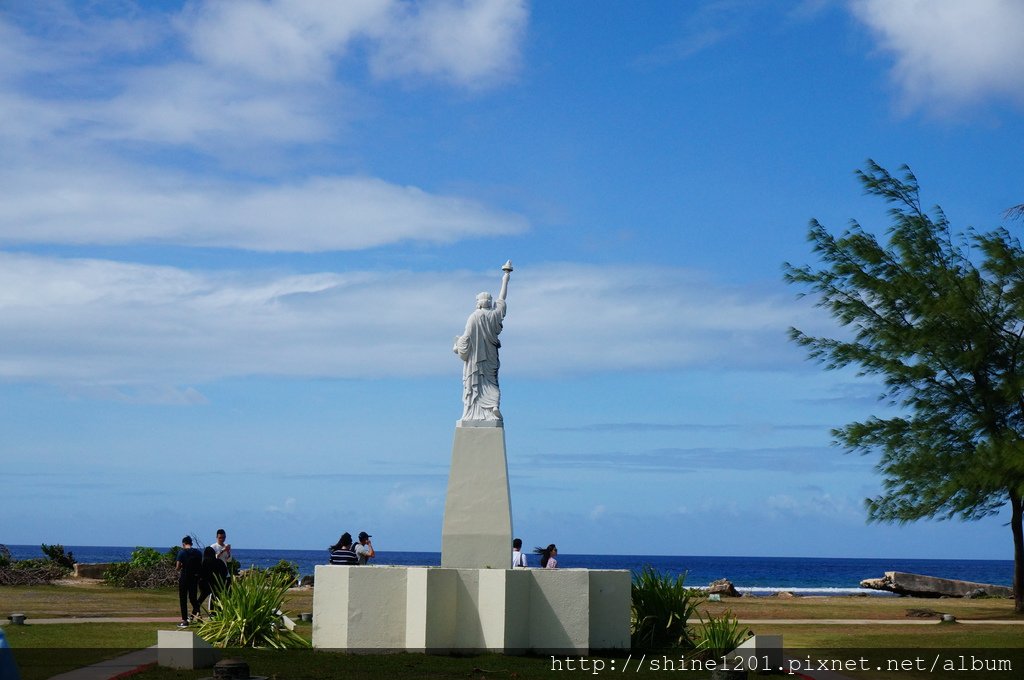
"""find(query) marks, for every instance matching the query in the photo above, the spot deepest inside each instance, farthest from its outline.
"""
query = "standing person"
(547, 556)
(223, 551)
(478, 349)
(213, 577)
(518, 558)
(188, 564)
(342, 552)
(364, 549)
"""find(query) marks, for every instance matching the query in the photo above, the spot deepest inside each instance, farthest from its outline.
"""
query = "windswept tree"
(938, 316)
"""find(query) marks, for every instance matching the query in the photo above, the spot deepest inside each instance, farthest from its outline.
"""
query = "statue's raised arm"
(507, 268)
(478, 349)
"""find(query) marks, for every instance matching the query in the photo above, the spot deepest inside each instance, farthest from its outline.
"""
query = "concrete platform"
(444, 610)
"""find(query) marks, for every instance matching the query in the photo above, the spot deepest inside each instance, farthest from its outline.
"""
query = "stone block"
(91, 570)
(184, 649)
(359, 608)
(759, 653)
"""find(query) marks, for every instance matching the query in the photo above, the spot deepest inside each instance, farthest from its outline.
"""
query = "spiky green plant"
(661, 608)
(249, 614)
(721, 635)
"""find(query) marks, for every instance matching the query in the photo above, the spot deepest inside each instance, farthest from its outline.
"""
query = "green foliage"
(284, 567)
(249, 613)
(56, 554)
(661, 608)
(939, 317)
(721, 635)
(55, 566)
(147, 568)
(32, 572)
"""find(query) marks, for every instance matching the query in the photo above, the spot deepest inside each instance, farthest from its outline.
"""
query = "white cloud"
(285, 508)
(242, 72)
(244, 82)
(950, 53)
(281, 40)
(466, 42)
(787, 506)
(469, 42)
(113, 206)
(94, 322)
(413, 499)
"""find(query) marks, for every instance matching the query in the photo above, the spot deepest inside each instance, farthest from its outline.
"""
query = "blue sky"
(237, 238)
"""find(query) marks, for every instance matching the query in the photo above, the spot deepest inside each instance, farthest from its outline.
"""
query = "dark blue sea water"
(757, 575)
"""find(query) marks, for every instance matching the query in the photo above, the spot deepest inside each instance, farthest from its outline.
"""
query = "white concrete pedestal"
(477, 531)
(441, 610)
(473, 602)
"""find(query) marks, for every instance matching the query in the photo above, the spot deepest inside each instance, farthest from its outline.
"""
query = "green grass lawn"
(97, 599)
(861, 607)
(44, 650)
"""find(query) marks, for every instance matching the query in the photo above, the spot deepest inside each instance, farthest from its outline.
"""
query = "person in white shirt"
(223, 551)
(518, 557)
(364, 548)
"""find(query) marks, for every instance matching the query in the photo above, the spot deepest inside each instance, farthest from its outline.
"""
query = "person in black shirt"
(213, 576)
(342, 552)
(188, 564)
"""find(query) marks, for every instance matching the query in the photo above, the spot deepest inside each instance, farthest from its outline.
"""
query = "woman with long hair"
(212, 577)
(547, 556)
(342, 552)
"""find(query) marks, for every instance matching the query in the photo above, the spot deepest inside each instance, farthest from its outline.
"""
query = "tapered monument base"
(477, 531)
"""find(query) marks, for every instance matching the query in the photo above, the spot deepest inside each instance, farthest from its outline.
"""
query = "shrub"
(284, 567)
(55, 553)
(32, 572)
(287, 568)
(249, 613)
(147, 568)
(721, 635)
(661, 608)
(36, 571)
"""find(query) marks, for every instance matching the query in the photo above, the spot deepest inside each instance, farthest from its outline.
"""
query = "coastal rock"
(784, 595)
(917, 585)
(723, 586)
(92, 571)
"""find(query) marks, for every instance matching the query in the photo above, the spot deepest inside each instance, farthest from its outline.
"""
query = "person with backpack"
(342, 552)
(189, 565)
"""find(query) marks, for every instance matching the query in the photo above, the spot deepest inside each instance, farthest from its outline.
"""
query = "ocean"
(755, 575)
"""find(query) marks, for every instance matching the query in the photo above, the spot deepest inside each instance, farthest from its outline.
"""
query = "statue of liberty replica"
(477, 530)
(478, 348)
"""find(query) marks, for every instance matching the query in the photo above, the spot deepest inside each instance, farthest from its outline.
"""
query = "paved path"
(120, 667)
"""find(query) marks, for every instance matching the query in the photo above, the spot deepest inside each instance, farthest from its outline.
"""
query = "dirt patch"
(79, 582)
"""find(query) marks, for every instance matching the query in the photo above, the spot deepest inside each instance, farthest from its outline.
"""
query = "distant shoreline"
(754, 575)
